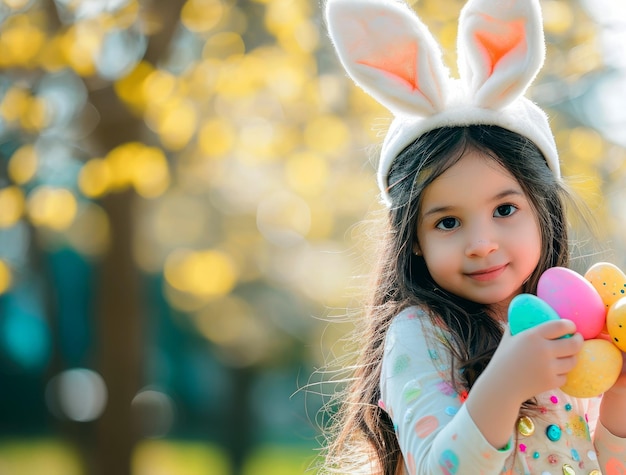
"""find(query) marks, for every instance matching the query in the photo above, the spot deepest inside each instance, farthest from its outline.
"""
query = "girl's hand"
(523, 366)
(535, 360)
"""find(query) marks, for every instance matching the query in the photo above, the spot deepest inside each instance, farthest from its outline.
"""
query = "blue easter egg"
(527, 311)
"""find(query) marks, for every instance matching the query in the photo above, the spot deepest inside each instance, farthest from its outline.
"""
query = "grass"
(35, 457)
(152, 457)
(278, 460)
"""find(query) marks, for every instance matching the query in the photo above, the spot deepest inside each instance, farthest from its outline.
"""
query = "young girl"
(476, 213)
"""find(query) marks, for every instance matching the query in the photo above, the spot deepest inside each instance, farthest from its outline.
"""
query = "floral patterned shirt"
(438, 436)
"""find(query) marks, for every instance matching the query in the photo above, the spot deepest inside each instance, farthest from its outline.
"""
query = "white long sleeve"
(437, 435)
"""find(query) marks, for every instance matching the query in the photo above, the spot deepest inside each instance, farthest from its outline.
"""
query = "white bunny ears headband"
(390, 54)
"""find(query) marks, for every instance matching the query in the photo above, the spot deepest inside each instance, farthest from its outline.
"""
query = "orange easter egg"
(616, 323)
(598, 367)
(608, 280)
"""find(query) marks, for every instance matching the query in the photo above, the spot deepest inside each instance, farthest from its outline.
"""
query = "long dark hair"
(361, 437)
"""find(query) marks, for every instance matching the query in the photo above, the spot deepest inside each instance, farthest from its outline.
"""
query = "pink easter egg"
(574, 298)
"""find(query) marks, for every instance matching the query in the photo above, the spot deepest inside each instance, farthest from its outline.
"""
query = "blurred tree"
(121, 316)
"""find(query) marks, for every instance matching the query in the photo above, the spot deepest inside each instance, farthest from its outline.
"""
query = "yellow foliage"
(158, 86)
(130, 164)
(241, 76)
(586, 145)
(151, 174)
(131, 88)
(208, 273)
(201, 78)
(81, 45)
(15, 103)
(11, 206)
(327, 134)
(558, 16)
(23, 164)
(94, 179)
(16, 4)
(307, 172)
(52, 57)
(216, 137)
(20, 42)
(90, 232)
(50, 207)
(35, 116)
(201, 15)
(224, 45)
(5, 277)
(175, 120)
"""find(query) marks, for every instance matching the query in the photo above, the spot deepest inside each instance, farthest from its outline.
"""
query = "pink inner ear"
(503, 39)
(401, 61)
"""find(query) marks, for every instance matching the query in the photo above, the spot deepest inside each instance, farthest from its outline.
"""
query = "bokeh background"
(185, 187)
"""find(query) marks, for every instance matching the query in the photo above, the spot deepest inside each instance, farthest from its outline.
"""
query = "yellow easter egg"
(598, 367)
(616, 323)
(608, 280)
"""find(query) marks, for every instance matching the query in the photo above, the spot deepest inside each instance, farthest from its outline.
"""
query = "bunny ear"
(500, 49)
(389, 53)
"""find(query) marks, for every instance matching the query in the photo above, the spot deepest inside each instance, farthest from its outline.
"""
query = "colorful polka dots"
(400, 364)
(449, 462)
(577, 426)
(408, 415)
(525, 426)
(412, 392)
(426, 426)
(614, 467)
(410, 461)
(446, 388)
(553, 432)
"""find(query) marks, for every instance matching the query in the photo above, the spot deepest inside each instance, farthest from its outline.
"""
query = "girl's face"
(478, 232)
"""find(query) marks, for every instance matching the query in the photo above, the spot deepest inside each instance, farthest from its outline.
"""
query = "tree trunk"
(119, 305)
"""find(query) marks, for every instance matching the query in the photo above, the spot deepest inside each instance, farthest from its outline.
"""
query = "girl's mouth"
(487, 274)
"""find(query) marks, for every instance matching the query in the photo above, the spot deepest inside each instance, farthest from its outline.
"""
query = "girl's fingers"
(555, 329)
(571, 346)
(562, 366)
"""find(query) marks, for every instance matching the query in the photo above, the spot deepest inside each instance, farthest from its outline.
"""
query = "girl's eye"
(505, 210)
(448, 223)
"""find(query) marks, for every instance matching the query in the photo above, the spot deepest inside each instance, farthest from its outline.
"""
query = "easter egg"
(616, 323)
(598, 367)
(574, 298)
(608, 280)
(527, 311)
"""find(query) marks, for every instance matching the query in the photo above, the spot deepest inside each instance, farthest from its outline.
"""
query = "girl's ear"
(416, 249)
(389, 53)
(500, 49)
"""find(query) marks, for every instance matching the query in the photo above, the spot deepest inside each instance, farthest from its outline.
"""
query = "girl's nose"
(480, 247)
